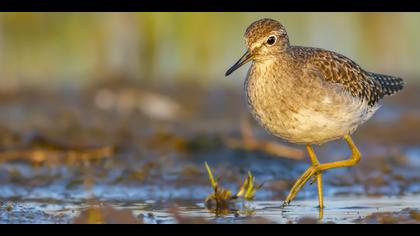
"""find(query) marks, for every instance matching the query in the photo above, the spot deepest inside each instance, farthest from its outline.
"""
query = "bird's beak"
(242, 61)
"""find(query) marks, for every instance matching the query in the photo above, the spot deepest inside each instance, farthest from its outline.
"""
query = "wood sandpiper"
(308, 95)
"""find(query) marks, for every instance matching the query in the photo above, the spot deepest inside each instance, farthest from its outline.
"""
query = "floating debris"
(223, 202)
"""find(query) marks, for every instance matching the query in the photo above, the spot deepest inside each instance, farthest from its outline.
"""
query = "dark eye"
(271, 40)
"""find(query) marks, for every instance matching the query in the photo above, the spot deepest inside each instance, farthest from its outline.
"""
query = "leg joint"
(355, 153)
(356, 156)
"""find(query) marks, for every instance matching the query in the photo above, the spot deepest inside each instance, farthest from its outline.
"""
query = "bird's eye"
(271, 40)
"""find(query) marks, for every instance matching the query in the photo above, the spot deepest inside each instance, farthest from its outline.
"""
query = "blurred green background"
(75, 49)
(122, 110)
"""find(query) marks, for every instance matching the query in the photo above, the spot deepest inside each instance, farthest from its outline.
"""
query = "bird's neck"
(274, 76)
(273, 66)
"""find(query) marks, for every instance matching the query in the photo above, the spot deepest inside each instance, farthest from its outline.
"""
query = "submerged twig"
(250, 143)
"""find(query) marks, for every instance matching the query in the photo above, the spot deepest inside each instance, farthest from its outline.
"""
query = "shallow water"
(338, 210)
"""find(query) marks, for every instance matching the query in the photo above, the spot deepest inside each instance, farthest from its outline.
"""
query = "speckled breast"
(300, 111)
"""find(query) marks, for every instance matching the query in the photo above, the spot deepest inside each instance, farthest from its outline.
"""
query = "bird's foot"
(312, 171)
(285, 204)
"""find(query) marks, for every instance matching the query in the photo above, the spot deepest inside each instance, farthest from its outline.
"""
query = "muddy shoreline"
(131, 143)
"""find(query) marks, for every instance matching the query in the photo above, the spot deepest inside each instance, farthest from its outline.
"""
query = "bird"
(308, 95)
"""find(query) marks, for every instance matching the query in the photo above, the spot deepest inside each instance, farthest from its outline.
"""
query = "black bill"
(242, 61)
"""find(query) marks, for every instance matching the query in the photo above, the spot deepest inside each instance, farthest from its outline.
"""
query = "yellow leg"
(318, 176)
(320, 195)
(315, 170)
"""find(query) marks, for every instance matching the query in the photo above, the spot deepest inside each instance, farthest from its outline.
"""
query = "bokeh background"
(77, 48)
(124, 109)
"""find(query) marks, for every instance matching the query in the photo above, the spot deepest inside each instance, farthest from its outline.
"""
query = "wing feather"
(336, 68)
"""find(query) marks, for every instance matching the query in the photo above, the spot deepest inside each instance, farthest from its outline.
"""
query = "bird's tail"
(390, 84)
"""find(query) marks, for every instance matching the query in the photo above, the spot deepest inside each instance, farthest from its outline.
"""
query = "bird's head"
(264, 39)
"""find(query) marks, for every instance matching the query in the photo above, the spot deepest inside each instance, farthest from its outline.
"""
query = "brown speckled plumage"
(336, 68)
(308, 95)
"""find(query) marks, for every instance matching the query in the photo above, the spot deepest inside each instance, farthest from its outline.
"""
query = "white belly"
(314, 123)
